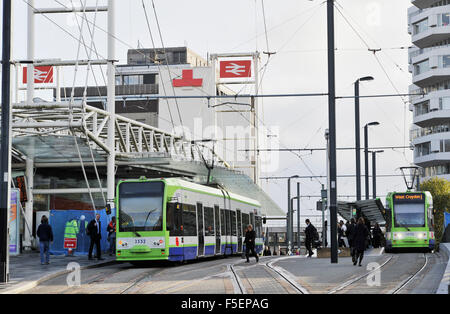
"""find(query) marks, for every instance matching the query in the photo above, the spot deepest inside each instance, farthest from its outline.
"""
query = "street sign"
(235, 68)
(70, 243)
(42, 75)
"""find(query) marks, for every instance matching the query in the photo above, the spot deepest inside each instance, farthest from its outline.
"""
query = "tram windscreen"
(141, 206)
(409, 210)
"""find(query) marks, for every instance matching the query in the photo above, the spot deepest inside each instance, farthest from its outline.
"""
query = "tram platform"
(26, 270)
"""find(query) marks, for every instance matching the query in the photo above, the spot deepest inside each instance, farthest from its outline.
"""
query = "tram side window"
(258, 226)
(209, 221)
(173, 219)
(217, 219)
(189, 220)
(245, 222)
(228, 220)
(233, 223)
(222, 221)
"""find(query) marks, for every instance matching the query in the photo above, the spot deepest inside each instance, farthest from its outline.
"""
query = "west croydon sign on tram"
(235, 68)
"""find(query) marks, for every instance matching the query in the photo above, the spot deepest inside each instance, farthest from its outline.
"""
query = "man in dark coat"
(377, 235)
(45, 235)
(310, 233)
(359, 240)
(95, 232)
(249, 241)
(350, 235)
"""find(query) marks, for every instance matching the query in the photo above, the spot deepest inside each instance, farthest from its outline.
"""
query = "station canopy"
(372, 209)
(58, 150)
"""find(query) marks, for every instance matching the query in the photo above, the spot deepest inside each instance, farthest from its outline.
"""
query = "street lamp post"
(366, 153)
(374, 172)
(358, 136)
(290, 216)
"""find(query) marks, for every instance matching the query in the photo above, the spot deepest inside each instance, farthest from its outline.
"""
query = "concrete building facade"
(429, 64)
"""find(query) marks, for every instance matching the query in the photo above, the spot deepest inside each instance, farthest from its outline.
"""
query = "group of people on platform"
(93, 230)
(355, 234)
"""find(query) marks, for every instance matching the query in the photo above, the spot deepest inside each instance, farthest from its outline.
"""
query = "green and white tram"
(409, 221)
(177, 220)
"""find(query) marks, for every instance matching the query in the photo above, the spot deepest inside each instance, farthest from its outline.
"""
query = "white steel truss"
(132, 138)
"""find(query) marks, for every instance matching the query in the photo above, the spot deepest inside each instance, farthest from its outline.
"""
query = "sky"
(296, 31)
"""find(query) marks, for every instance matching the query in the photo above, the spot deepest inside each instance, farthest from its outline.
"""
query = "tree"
(440, 190)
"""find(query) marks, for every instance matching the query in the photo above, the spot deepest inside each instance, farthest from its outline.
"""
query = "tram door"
(200, 231)
(239, 230)
(217, 226)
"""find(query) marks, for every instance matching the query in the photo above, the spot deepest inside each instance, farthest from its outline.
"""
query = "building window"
(444, 103)
(444, 19)
(437, 170)
(133, 80)
(421, 26)
(421, 108)
(446, 61)
(445, 146)
(422, 149)
(118, 80)
(421, 67)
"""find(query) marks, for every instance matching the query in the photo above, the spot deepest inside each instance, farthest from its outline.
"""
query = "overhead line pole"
(332, 129)
(111, 104)
(5, 162)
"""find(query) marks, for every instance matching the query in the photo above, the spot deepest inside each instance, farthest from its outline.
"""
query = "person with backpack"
(45, 235)
(311, 235)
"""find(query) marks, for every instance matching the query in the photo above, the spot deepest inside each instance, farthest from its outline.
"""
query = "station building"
(429, 63)
(59, 183)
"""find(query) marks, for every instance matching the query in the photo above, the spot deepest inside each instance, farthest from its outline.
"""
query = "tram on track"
(409, 221)
(177, 220)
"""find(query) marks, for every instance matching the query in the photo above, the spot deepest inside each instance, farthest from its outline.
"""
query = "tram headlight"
(398, 235)
(421, 235)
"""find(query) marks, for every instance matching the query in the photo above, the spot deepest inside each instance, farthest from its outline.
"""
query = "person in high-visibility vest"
(70, 234)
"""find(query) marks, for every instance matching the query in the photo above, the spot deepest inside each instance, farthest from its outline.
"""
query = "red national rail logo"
(235, 68)
(42, 75)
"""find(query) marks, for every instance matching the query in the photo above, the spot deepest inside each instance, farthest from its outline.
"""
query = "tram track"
(410, 278)
(279, 275)
(391, 262)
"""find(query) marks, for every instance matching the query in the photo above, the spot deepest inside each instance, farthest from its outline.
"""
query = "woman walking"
(359, 240)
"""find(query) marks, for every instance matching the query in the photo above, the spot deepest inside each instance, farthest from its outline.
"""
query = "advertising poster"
(14, 219)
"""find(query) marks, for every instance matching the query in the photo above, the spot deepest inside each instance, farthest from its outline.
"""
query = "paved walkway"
(26, 271)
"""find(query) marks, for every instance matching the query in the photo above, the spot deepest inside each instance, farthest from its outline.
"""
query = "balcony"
(431, 36)
(431, 76)
(423, 4)
(435, 117)
(432, 159)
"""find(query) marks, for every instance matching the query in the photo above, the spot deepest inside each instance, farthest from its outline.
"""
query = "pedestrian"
(341, 234)
(311, 235)
(350, 235)
(377, 235)
(45, 234)
(249, 241)
(359, 239)
(369, 237)
(111, 229)
(95, 232)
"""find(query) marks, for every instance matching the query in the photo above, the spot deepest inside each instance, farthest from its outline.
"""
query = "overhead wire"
(374, 51)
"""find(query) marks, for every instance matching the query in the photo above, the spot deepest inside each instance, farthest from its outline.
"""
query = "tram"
(409, 221)
(177, 220)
